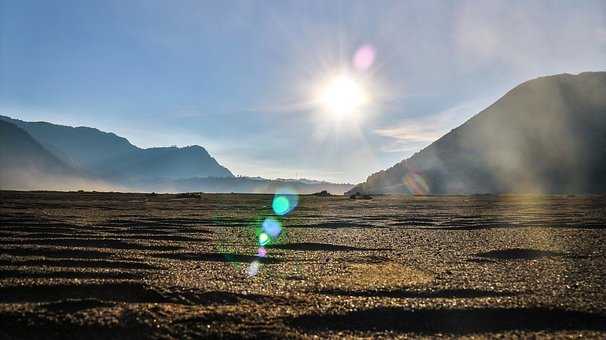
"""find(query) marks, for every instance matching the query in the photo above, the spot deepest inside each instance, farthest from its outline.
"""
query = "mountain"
(166, 162)
(80, 146)
(19, 151)
(26, 164)
(111, 157)
(547, 135)
(41, 155)
(242, 185)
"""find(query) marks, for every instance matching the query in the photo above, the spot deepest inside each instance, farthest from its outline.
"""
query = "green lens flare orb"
(281, 205)
(285, 201)
(263, 239)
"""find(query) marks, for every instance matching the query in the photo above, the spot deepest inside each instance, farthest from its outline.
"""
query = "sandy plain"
(111, 265)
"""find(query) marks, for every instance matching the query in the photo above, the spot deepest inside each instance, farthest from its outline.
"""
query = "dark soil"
(109, 265)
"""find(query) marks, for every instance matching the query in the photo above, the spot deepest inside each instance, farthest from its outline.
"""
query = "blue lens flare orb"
(284, 202)
(272, 227)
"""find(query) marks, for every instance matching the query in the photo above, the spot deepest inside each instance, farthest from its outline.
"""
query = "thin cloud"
(412, 134)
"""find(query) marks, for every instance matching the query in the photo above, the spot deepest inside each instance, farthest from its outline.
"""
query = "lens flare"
(264, 239)
(364, 58)
(253, 268)
(281, 205)
(268, 231)
(262, 252)
(272, 227)
(416, 184)
(284, 202)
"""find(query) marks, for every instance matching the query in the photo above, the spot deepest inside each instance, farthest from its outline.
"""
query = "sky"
(241, 78)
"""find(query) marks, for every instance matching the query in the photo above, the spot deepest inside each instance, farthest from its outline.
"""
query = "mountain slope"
(547, 135)
(242, 185)
(81, 146)
(18, 150)
(107, 155)
(168, 162)
(26, 164)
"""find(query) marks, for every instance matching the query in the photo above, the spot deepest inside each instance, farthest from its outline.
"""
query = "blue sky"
(236, 76)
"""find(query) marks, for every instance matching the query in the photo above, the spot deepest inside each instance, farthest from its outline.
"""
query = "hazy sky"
(237, 77)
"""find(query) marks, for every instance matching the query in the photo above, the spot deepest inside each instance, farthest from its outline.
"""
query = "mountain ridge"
(243, 184)
(110, 156)
(91, 142)
(123, 170)
(27, 164)
(543, 136)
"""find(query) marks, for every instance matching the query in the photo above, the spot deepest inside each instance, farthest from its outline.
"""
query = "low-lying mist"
(34, 179)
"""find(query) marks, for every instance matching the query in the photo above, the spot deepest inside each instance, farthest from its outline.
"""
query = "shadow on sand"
(89, 243)
(518, 254)
(19, 274)
(457, 321)
(72, 295)
(403, 293)
(77, 263)
(309, 246)
(217, 257)
(334, 225)
(55, 252)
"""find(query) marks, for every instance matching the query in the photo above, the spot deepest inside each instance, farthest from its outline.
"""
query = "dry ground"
(106, 265)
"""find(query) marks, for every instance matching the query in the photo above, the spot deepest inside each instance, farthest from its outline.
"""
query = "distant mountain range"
(42, 155)
(26, 164)
(82, 147)
(245, 185)
(112, 157)
(547, 135)
(19, 152)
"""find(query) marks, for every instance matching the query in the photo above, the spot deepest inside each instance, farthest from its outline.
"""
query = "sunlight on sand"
(380, 276)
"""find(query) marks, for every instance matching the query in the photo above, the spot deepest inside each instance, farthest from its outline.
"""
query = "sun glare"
(342, 95)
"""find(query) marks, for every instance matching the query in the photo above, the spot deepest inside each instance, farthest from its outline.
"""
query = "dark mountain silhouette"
(106, 155)
(18, 150)
(242, 185)
(167, 162)
(42, 155)
(26, 164)
(547, 135)
(80, 146)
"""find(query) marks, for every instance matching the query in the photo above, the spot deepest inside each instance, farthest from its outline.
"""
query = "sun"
(342, 95)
